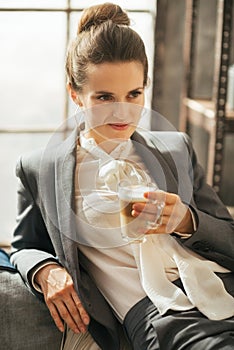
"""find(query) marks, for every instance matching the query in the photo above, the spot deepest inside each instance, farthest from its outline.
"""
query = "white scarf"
(204, 289)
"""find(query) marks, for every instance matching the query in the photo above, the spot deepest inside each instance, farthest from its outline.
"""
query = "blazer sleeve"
(214, 237)
(31, 243)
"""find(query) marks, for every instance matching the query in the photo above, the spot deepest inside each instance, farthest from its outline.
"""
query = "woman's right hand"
(61, 298)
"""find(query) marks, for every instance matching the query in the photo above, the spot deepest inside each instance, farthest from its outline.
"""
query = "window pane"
(143, 24)
(126, 4)
(33, 4)
(14, 145)
(32, 85)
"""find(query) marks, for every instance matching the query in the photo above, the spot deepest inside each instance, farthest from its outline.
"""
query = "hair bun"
(98, 14)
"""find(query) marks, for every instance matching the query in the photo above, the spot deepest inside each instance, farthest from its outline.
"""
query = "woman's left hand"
(175, 216)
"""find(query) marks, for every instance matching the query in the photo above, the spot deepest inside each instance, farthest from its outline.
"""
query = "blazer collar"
(157, 159)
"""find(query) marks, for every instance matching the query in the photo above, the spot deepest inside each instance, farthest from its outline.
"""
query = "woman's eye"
(135, 94)
(105, 98)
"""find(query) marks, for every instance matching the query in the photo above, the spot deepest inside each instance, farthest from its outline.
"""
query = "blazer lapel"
(158, 160)
(64, 190)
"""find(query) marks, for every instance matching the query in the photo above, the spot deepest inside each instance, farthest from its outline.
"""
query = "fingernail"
(86, 320)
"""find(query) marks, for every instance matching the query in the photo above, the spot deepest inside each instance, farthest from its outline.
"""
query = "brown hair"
(103, 35)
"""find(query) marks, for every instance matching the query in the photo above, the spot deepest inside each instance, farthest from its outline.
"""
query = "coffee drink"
(132, 228)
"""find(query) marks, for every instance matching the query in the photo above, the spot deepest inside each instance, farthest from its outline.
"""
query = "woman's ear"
(73, 95)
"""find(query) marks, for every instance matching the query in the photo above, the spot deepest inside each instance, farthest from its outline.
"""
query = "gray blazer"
(46, 227)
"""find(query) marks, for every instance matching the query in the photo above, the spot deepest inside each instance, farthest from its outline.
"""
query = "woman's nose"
(120, 110)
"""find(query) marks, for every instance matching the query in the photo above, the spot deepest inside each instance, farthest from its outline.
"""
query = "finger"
(165, 224)
(55, 315)
(67, 317)
(76, 317)
(144, 215)
(83, 314)
(161, 229)
(168, 198)
(152, 209)
(152, 219)
(75, 312)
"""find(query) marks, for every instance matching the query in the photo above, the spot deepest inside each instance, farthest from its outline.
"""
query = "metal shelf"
(211, 115)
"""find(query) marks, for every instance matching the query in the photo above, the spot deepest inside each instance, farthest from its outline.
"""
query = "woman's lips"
(119, 126)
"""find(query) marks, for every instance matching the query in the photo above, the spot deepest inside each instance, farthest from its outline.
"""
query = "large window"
(34, 35)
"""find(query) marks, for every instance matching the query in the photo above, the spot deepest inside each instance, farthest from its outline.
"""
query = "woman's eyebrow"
(112, 93)
(138, 88)
(104, 92)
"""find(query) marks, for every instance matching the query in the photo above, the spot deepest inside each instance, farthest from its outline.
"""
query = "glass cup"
(133, 229)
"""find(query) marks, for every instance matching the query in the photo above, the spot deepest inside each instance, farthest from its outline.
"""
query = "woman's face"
(112, 97)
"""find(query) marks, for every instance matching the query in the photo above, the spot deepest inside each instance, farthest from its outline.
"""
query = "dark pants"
(183, 330)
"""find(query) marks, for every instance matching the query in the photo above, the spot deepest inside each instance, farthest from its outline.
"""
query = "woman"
(67, 243)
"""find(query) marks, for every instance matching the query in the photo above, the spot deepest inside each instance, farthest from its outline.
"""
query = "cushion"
(26, 323)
